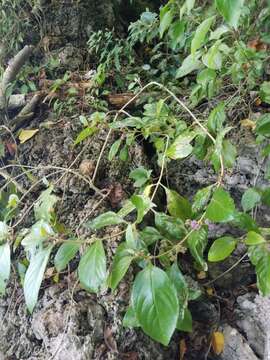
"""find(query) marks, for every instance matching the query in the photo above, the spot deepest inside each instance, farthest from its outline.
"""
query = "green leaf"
(181, 146)
(216, 35)
(33, 277)
(106, 219)
(140, 175)
(213, 58)
(221, 207)
(132, 237)
(190, 64)
(265, 93)
(40, 232)
(250, 199)
(155, 303)
(230, 10)
(221, 248)
(166, 17)
(263, 125)
(150, 235)
(178, 206)
(121, 262)
(130, 320)
(179, 283)
(4, 231)
(85, 133)
(170, 227)
(4, 266)
(184, 322)
(44, 206)
(197, 242)
(254, 238)
(201, 198)
(143, 204)
(65, 254)
(92, 267)
(200, 34)
(260, 257)
(216, 118)
(229, 153)
(176, 33)
(244, 221)
(114, 149)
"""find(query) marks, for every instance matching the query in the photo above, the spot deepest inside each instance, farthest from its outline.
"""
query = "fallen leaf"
(182, 349)
(257, 45)
(217, 342)
(258, 102)
(12, 148)
(247, 123)
(210, 291)
(201, 275)
(25, 135)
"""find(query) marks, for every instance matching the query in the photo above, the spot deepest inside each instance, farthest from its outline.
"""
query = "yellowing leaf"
(217, 342)
(247, 123)
(26, 135)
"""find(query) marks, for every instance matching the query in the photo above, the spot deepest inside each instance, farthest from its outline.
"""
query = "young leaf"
(143, 204)
(221, 207)
(106, 219)
(200, 34)
(197, 242)
(230, 10)
(166, 17)
(260, 257)
(190, 64)
(114, 149)
(184, 322)
(155, 302)
(4, 266)
(201, 198)
(254, 238)
(33, 277)
(140, 175)
(221, 248)
(45, 204)
(178, 206)
(250, 199)
(92, 267)
(171, 228)
(130, 320)
(65, 254)
(85, 133)
(121, 262)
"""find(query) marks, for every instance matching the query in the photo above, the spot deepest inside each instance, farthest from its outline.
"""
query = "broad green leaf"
(200, 34)
(4, 266)
(33, 277)
(150, 235)
(130, 320)
(177, 205)
(121, 262)
(170, 227)
(254, 238)
(114, 149)
(201, 198)
(213, 58)
(132, 237)
(250, 199)
(84, 134)
(266, 196)
(230, 10)
(229, 153)
(155, 303)
(221, 248)
(263, 124)
(221, 207)
(44, 206)
(176, 33)
(4, 230)
(216, 118)
(216, 34)
(181, 146)
(265, 93)
(92, 267)
(65, 254)
(190, 64)
(179, 283)
(140, 175)
(106, 219)
(184, 322)
(260, 257)
(143, 204)
(244, 221)
(197, 242)
(166, 17)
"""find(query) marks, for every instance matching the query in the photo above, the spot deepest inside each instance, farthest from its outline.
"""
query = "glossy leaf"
(150, 235)
(121, 262)
(33, 277)
(114, 149)
(65, 254)
(106, 219)
(221, 248)
(197, 242)
(216, 118)
(132, 237)
(84, 134)
(184, 322)
(221, 207)
(202, 198)
(4, 266)
(260, 257)
(177, 205)
(92, 267)
(155, 303)
(143, 204)
(200, 34)
(179, 282)
(181, 146)
(254, 238)
(170, 227)
(140, 175)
